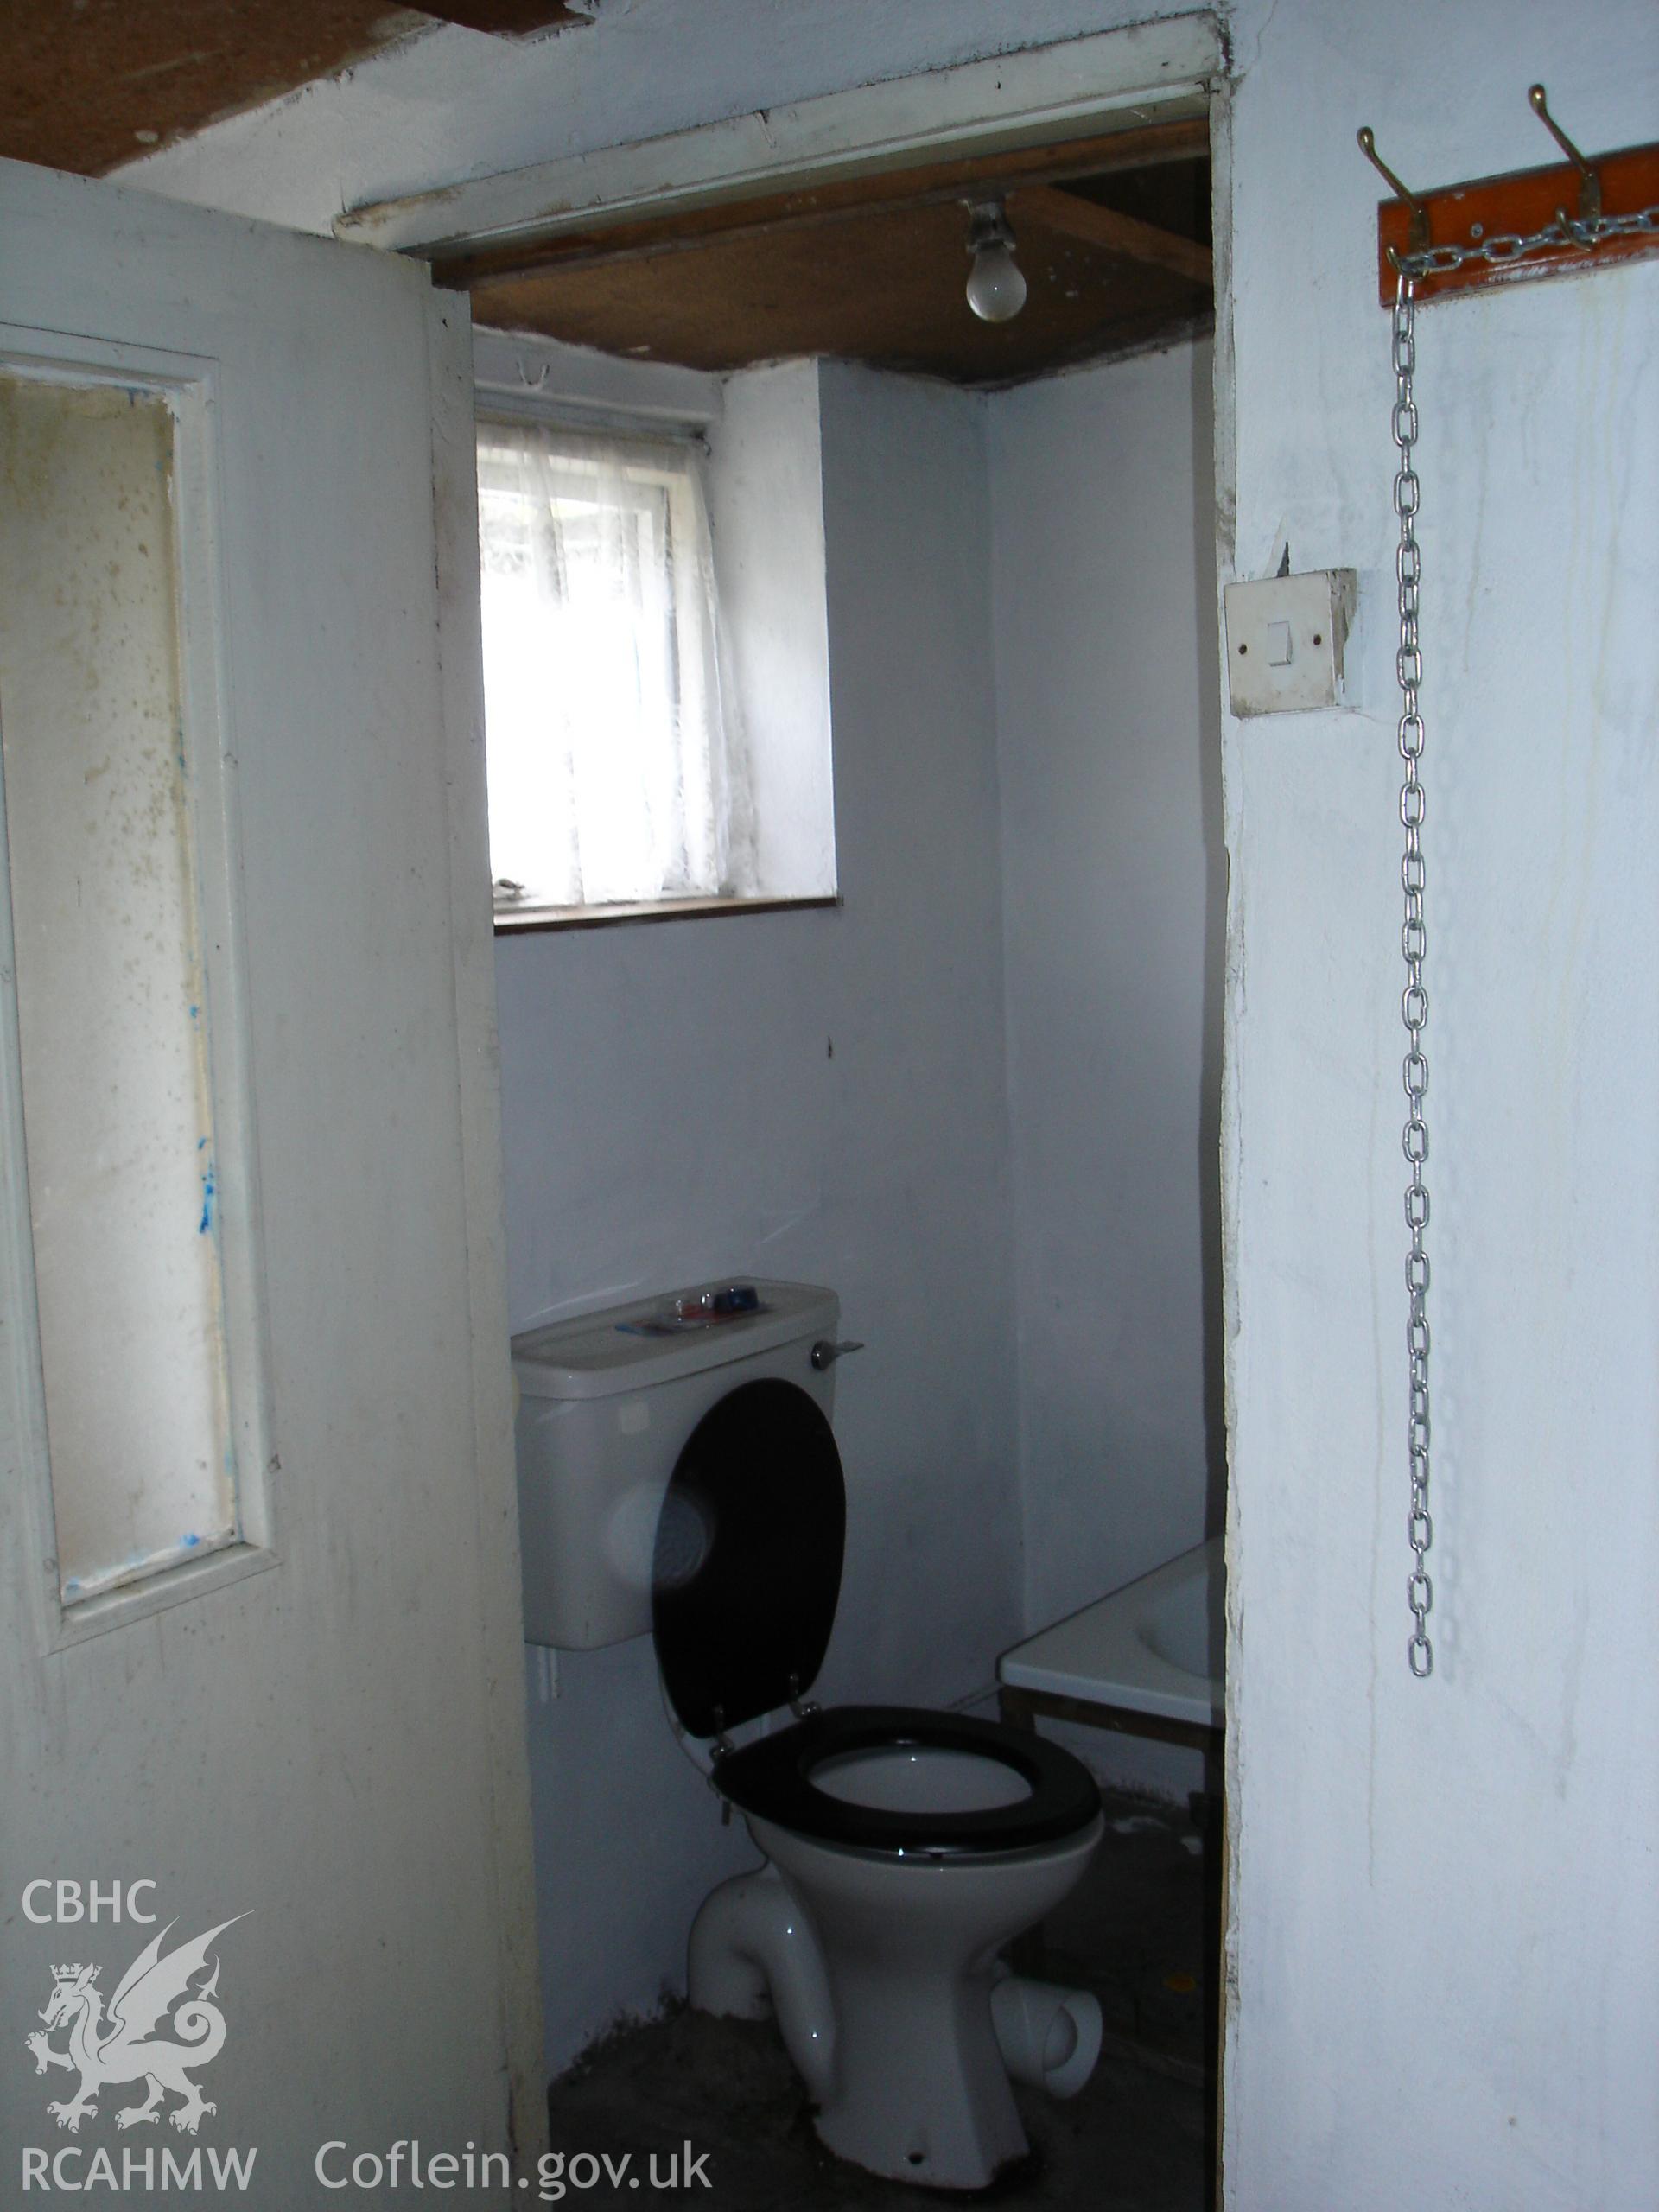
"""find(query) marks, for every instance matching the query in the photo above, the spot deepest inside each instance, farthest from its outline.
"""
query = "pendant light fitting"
(996, 284)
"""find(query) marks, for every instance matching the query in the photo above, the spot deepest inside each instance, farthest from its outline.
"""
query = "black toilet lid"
(747, 1571)
(773, 1778)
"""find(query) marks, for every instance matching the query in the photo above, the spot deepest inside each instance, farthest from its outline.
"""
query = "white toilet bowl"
(878, 1957)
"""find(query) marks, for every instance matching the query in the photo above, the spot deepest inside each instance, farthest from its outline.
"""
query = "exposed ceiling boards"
(85, 85)
(835, 225)
(1113, 240)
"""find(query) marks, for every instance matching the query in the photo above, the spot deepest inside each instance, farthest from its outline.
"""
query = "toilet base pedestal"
(921, 2093)
(880, 1968)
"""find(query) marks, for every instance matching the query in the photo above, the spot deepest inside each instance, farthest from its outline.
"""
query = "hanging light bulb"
(997, 285)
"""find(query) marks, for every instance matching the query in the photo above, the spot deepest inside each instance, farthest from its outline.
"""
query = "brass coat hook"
(1417, 236)
(1589, 179)
(1503, 230)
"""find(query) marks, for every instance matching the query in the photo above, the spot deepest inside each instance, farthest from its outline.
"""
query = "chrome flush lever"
(824, 1354)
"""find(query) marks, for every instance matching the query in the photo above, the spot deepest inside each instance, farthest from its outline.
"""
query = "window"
(124, 1233)
(617, 775)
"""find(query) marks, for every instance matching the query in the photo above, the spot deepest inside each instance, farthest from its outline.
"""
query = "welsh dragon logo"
(121, 2047)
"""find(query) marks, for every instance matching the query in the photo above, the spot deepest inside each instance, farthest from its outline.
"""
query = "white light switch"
(1284, 641)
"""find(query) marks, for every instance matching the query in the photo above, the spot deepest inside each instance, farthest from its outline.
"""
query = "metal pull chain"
(1506, 247)
(1413, 1004)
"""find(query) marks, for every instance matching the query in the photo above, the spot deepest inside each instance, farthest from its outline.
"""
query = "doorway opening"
(1076, 798)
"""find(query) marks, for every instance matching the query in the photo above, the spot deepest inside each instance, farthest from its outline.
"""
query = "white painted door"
(305, 1705)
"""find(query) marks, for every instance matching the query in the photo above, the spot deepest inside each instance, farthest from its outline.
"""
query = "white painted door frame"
(1147, 72)
(461, 672)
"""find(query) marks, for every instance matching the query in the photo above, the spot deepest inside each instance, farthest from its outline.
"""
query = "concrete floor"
(1141, 1931)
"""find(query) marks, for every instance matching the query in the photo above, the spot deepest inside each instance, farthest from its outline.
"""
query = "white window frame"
(521, 379)
(188, 385)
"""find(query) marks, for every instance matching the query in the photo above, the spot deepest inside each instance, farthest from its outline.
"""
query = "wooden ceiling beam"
(90, 86)
(1047, 208)
(881, 192)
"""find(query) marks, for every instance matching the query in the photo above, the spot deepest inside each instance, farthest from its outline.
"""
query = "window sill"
(521, 921)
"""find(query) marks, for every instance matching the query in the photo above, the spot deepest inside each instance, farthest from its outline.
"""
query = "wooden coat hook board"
(1572, 215)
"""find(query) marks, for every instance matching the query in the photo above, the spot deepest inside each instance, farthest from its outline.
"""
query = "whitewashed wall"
(819, 1096)
(1444, 1915)
(1114, 887)
(766, 515)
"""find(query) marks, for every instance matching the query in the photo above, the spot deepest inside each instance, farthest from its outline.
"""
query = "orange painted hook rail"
(1570, 216)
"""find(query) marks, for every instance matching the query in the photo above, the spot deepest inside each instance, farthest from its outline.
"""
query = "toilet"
(678, 1476)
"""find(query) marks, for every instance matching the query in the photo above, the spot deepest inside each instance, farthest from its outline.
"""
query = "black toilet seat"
(771, 1779)
(744, 1583)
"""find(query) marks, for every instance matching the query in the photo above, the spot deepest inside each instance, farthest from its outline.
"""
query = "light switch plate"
(1286, 636)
